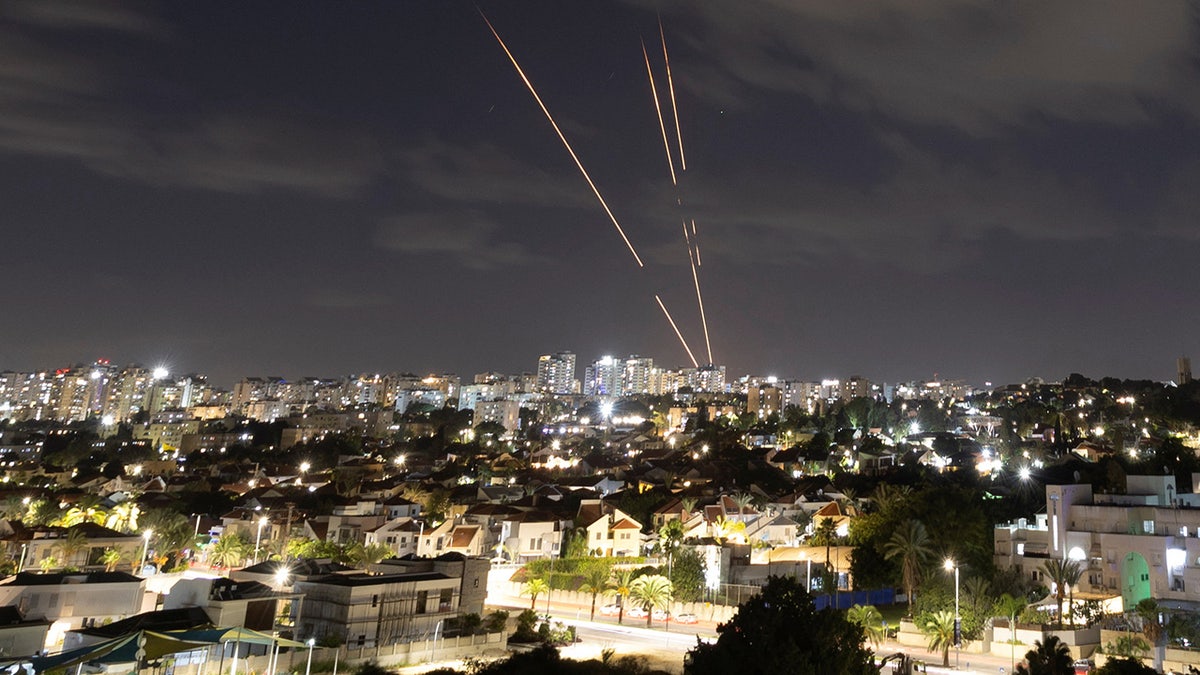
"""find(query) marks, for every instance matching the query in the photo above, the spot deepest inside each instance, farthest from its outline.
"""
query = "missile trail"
(677, 333)
(699, 297)
(563, 138)
(671, 87)
(661, 125)
(696, 244)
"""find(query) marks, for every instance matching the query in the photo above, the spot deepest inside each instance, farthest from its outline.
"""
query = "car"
(636, 613)
(661, 615)
(610, 610)
(686, 617)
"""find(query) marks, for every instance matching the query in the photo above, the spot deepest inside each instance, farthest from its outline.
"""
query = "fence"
(294, 661)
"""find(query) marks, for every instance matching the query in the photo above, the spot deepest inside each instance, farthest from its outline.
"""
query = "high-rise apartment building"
(556, 373)
(603, 377)
(636, 376)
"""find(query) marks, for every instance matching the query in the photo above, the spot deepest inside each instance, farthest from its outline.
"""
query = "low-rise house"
(20, 636)
(370, 610)
(399, 535)
(70, 600)
(231, 602)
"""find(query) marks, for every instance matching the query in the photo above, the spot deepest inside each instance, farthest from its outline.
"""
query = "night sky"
(985, 191)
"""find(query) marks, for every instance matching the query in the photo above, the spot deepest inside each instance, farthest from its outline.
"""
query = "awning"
(212, 636)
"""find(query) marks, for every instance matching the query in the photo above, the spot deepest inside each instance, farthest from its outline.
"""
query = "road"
(668, 644)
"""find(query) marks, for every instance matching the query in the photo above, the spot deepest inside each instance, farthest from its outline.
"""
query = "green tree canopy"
(780, 631)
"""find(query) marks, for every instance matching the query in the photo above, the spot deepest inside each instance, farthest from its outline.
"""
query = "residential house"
(1142, 544)
(70, 600)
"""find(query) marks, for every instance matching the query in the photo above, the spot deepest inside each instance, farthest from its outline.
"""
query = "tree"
(173, 532)
(1125, 666)
(76, 542)
(910, 544)
(763, 638)
(1064, 574)
(229, 550)
(1011, 607)
(670, 536)
(687, 575)
(868, 618)
(596, 580)
(112, 557)
(653, 591)
(533, 588)
(622, 584)
(123, 517)
(938, 628)
(1048, 657)
(1152, 628)
(361, 556)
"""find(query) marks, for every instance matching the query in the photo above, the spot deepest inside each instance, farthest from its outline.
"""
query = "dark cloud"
(981, 66)
(466, 237)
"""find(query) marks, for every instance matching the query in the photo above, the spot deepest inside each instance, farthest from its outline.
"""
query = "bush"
(497, 621)
(525, 632)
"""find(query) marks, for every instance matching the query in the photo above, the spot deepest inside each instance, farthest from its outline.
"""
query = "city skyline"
(893, 189)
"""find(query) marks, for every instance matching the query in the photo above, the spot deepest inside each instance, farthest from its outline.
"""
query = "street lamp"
(258, 538)
(951, 565)
(308, 666)
(145, 548)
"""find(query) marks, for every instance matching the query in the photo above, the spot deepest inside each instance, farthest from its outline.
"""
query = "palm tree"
(1064, 574)
(741, 500)
(173, 531)
(361, 556)
(687, 505)
(1011, 606)
(670, 536)
(596, 580)
(939, 629)
(112, 557)
(888, 498)
(1048, 657)
(533, 588)
(76, 542)
(48, 564)
(13, 508)
(653, 591)
(1147, 611)
(228, 551)
(910, 543)
(870, 620)
(723, 528)
(123, 517)
(623, 585)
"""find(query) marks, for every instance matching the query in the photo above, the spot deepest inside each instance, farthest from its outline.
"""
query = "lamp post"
(145, 548)
(308, 666)
(258, 538)
(951, 565)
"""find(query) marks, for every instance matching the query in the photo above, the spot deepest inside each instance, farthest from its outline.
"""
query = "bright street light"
(145, 549)
(258, 538)
(308, 667)
(951, 565)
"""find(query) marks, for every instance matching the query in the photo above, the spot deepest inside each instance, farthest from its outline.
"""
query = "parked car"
(661, 615)
(636, 612)
(610, 610)
(686, 617)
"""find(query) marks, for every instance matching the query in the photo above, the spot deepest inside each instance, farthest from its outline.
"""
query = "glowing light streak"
(677, 333)
(563, 138)
(671, 87)
(658, 110)
(696, 245)
(699, 299)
